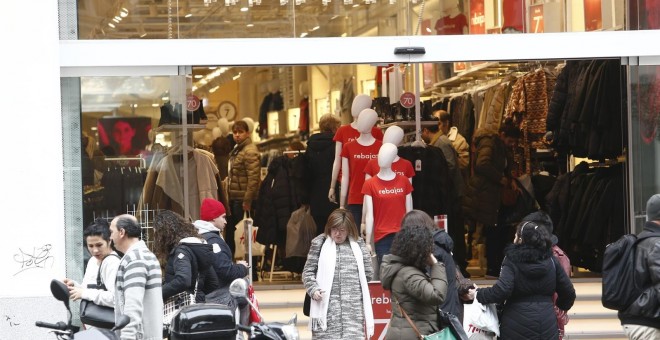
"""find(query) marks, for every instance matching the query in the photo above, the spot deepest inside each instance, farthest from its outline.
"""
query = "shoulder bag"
(444, 334)
(97, 315)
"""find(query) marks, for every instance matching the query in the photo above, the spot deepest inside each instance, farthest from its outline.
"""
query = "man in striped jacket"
(138, 292)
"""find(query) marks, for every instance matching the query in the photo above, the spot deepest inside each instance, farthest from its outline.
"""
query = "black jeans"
(236, 207)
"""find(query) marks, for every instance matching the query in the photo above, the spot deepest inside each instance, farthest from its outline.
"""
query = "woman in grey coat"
(335, 276)
(403, 272)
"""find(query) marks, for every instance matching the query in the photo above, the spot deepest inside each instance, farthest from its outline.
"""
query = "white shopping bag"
(481, 319)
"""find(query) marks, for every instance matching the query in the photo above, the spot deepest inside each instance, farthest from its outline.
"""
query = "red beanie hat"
(211, 209)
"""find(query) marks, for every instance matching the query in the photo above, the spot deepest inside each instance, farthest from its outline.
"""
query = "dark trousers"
(356, 210)
(383, 247)
(236, 207)
(457, 233)
(497, 238)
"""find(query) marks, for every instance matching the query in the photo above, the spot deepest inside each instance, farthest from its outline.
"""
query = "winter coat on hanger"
(277, 200)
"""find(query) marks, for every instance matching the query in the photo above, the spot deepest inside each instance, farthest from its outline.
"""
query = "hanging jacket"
(277, 200)
(432, 183)
(317, 171)
(189, 260)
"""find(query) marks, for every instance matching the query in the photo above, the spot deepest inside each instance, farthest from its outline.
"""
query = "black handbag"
(96, 315)
(306, 304)
(455, 325)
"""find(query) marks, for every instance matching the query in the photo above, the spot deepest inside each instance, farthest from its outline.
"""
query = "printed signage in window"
(407, 100)
(536, 17)
(477, 17)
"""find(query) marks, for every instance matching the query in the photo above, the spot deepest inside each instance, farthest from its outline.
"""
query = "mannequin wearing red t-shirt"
(393, 135)
(347, 133)
(354, 157)
(453, 21)
(387, 198)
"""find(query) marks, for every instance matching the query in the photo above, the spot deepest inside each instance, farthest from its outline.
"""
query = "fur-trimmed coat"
(527, 282)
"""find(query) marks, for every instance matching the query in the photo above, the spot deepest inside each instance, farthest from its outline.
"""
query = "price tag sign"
(192, 102)
(536, 17)
(407, 100)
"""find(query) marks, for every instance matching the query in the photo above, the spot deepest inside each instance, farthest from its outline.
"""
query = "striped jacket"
(138, 294)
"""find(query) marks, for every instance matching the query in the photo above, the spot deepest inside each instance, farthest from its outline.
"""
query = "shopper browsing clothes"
(482, 202)
(244, 177)
(530, 277)
(414, 293)
(336, 273)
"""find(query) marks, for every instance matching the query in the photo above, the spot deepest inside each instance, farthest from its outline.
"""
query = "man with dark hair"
(138, 292)
(492, 164)
(641, 320)
(434, 136)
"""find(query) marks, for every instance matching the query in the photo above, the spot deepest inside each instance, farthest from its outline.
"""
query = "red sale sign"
(536, 13)
(407, 100)
(192, 102)
(381, 304)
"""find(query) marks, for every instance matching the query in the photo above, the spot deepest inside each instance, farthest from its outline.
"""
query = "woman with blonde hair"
(335, 276)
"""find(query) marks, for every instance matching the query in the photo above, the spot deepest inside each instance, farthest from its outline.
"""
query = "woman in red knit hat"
(210, 226)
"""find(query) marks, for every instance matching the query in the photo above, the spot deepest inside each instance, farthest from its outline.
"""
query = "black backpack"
(620, 284)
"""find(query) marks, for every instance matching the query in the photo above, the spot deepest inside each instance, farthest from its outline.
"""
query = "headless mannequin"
(386, 156)
(393, 135)
(361, 102)
(450, 13)
(366, 120)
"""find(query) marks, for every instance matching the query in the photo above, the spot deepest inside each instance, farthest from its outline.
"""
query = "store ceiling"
(192, 19)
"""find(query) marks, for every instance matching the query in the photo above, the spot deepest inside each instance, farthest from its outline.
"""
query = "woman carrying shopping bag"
(529, 278)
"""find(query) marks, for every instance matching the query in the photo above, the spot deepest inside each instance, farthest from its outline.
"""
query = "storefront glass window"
(645, 124)
(212, 19)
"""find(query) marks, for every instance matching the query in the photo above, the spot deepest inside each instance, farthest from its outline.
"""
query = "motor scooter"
(219, 322)
(67, 331)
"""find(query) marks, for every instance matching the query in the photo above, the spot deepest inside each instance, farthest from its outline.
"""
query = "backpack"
(620, 286)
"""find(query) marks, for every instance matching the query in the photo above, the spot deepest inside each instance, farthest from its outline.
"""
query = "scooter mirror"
(238, 288)
(122, 322)
(60, 291)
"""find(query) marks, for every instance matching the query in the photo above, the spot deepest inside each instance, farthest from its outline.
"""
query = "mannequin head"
(223, 124)
(303, 89)
(360, 102)
(449, 7)
(250, 124)
(386, 155)
(366, 120)
(394, 135)
(273, 86)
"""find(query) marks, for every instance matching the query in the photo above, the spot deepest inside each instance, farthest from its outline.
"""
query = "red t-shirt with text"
(451, 26)
(358, 156)
(346, 133)
(389, 203)
(401, 167)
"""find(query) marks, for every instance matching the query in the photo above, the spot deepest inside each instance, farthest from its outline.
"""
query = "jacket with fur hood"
(223, 264)
(418, 295)
(492, 162)
(190, 259)
(527, 282)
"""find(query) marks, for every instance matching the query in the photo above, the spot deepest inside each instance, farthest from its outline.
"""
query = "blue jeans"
(383, 247)
(356, 210)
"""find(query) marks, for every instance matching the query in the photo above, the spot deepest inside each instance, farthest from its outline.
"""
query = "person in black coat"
(530, 276)
(213, 221)
(313, 171)
(187, 259)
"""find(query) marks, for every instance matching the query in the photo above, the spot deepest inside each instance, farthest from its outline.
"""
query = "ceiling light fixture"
(316, 27)
(303, 34)
(244, 9)
(188, 15)
(111, 25)
(236, 76)
(213, 89)
(124, 12)
(249, 24)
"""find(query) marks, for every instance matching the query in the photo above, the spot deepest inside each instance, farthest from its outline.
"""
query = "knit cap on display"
(211, 209)
(653, 208)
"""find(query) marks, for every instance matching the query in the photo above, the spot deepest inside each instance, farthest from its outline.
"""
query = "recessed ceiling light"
(213, 89)
(250, 25)
(188, 15)
(244, 9)
(356, 5)
(198, 76)
(303, 34)
(315, 28)
(111, 25)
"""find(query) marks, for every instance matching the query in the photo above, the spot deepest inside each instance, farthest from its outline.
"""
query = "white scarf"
(318, 310)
